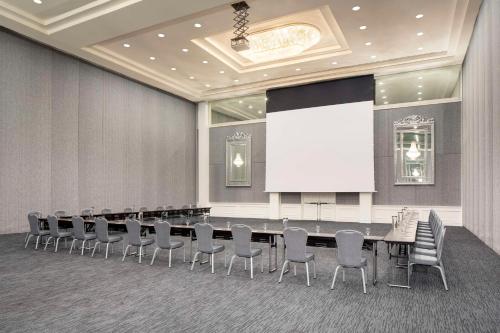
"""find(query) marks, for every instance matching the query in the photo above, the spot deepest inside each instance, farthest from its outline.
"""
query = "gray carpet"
(57, 292)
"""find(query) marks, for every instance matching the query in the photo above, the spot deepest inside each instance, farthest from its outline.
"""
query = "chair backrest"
(78, 227)
(127, 210)
(440, 244)
(101, 229)
(242, 237)
(160, 208)
(349, 245)
(134, 232)
(106, 211)
(204, 233)
(162, 229)
(143, 209)
(37, 213)
(295, 241)
(53, 225)
(185, 206)
(87, 212)
(60, 213)
(34, 224)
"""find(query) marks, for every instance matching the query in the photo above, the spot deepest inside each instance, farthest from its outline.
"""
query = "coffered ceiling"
(184, 46)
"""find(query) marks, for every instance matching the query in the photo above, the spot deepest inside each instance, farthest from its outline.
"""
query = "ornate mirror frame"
(239, 159)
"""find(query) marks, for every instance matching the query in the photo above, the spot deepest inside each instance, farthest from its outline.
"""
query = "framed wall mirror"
(414, 151)
(239, 159)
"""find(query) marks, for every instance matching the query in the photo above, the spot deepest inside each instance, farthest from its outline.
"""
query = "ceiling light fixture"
(334, 63)
(259, 112)
(240, 42)
(161, 35)
(126, 45)
(420, 33)
(281, 42)
(413, 153)
(420, 78)
(381, 83)
(382, 91)
(264, 74)
(356, 8)
(185, 50)
(420, 98)
(38, 2)
(419, 16)
(250, 106)
(384, 97)
(191, 77)
(207, 85)
(205, 62)
(173, 69)
(221, 72)
(363, 27)
(386, 102)
(420, 48)
(197, 25)
(152, 58)
(298, 69)
(236, 81)
(240, 101)
(368, 43)
(373, 56)
(420, 86)
(419, 93)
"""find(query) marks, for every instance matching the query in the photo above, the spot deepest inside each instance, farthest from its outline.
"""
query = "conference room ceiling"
(193, 59)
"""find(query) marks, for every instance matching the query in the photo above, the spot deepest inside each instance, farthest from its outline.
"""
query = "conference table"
(405, 235)
(185, 228)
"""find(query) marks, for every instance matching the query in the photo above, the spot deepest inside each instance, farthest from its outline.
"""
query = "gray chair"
(39, 215)
(103, 236)
(79, 233)
(143, 209)
(160, 208)
(135, 239)
(349, 246)
(106, 211)
(429, 257)
(60, 213)
(296, 251)
(163, 241)
(242, 239)
(55, 234)
(128, 210)
(35, 229)
(87, 212)
(204, 233)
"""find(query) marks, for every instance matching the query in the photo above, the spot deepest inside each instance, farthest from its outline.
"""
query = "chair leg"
(72, 245)
(282, 270)
(245, 264)
(57, 243)
(194, 259)
(107, 250)
(364, 281)
(26, 237)
(95, 247)
(343, 274)
(212, 255)
(37, 240)
(28, 240)
(184, 253)
(154, 255)
(314, 269)
(251, 267)
(231, 264)
(307, 273)
(125, 252)
(83, 247)
(443, 276)
(140, 254)
(47, 243)
(334, 277)
(295, 269)
(170, 258)
(261, 263)
(225, 259)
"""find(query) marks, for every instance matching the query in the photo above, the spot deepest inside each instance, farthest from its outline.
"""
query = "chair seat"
(43, 233)
(427, 252)
(425, 239)
(363, 263)
(147, 241)
(174, 245)
(423, 232)
(422, 259)
(253, 253)
(63, 234)
(425, 236)
(87, 236)
(218, 248)
(308, 257)
(425, 245)
(114, 238)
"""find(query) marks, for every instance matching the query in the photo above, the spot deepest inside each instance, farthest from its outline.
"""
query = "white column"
(365, 207)
(203, 154)
(275, 205)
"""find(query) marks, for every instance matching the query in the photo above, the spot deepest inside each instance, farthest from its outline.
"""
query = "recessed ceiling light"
(420, 33)
(191, 77)
(265, 74)
(420, 78)
(152, 58)
(126, 45)
(381, 83)
(420, 86)
(297, 69)
(363, 27)
(197, 25)
(386, 102)
(250, 106)
(221, 72)
(161, 35)
(173, 69)
(185, 50)
(419, 16)
(356, 8)
(420, 93)
(334, 63)
(38, 2)
(240, 101)
(420, 48)
(259, 112)
(207, 85)
(384, 97)
(420, 98)
(373, 56)
(368, 43)
(236, 80)
(382, 91)
(205, 62)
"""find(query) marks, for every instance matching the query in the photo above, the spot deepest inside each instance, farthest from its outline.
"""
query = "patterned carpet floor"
(44, 291)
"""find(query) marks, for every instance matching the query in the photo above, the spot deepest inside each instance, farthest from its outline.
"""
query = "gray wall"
(481, 128)
(74, 136)
(445, 192)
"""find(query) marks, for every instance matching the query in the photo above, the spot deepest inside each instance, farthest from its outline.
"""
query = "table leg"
(398, 266)
(374, 254)
(271, 244)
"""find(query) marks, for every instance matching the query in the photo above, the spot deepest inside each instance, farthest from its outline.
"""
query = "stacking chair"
(79, 233)
(429, 257)
(60, 213)
(106, 211)
(349, 246)
(103, 236)
(135, 239)
(242, 237)
(127, 210)
(204, 233)
(163, 241)
(55, 234)
(143, 209)
(296, 250)
(35, 229)
(39, 215)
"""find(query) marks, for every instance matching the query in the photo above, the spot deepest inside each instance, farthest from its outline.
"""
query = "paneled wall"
(481, 128)
(73, 135)
(445, 192)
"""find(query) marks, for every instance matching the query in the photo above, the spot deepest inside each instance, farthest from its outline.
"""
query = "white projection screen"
(321, 149)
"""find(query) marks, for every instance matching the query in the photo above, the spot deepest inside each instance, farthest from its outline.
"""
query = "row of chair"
(90, 211)
(348, 255)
